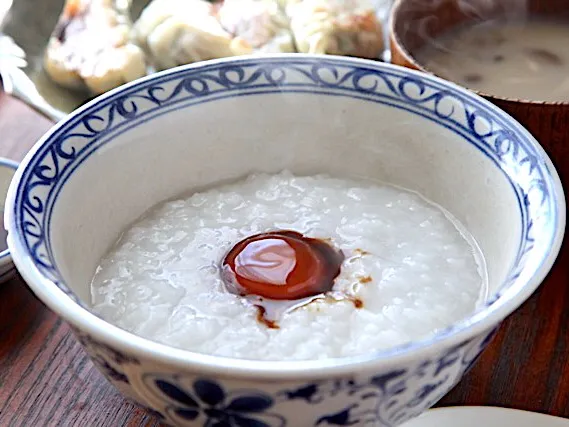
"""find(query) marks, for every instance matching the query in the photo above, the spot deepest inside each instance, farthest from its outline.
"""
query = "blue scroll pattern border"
(486, 128)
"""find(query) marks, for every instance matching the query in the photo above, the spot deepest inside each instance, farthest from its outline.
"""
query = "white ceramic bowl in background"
(196, 126)
(7, 171)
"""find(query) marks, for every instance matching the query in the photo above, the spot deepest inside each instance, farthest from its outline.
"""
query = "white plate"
(477, 416)
(27, 25)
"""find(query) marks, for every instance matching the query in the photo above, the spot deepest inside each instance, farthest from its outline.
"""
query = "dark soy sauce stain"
(493, 37)
(473, 78)
(544, 56)
(71, 21)
(283, 270)
(271, 324)
(361, 252)
(344, 296)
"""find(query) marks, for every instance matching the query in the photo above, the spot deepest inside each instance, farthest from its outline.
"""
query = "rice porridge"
(405, 269)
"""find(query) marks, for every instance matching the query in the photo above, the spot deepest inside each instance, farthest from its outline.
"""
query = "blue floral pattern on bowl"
(384, 399)
(209, 400)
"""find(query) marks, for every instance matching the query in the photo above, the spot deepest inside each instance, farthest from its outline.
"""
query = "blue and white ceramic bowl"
(7, 170)
(195, 126)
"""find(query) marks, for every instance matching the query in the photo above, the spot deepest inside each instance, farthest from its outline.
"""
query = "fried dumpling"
(336, 27)
(257, 26)
(177, 32)
(91, 47)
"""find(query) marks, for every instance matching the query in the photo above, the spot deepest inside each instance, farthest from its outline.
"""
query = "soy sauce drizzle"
(283, 270)
(271, 311)
(545, 56)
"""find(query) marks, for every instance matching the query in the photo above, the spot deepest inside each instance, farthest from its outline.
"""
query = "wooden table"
(47, 380)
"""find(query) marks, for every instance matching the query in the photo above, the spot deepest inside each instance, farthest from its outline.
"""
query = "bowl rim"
(82, 319)
(396, 41)
(6, 163)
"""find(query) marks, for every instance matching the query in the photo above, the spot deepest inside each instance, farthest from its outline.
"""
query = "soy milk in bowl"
(517, 60)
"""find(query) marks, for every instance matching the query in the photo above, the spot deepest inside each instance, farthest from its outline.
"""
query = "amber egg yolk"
(282, 265)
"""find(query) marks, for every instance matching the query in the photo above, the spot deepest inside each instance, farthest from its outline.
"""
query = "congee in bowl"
(286, 240)
(339, 268)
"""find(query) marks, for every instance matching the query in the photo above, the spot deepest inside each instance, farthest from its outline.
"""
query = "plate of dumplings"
(78, 49)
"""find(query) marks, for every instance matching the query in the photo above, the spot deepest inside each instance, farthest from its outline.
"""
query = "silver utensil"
(17, 83)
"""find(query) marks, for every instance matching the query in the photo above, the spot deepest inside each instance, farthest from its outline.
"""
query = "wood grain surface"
(47, 380)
